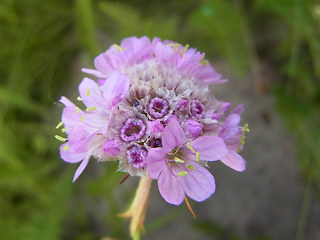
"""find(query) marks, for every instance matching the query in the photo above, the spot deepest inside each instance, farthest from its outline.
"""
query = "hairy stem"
(138, 208)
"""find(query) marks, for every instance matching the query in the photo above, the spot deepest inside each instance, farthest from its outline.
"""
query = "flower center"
(176, 153)
(155, 142)
(137, 157)
(133, 130)
(158, 108)
(197, 109)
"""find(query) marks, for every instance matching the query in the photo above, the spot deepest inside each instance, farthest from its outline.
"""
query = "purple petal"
(190, 61)
(96, 120)
(198, 184)
(211, 148)
(72, 117)
(79, 139)
(208, 75)
(164, 53)
(234, 141)
(238, 110)
(103, 65)
(173, 136)
(156, 161)
(115, 87)
(110, 147)
(156, 126)
(170, 187)
(234, 161)
(81, 168)
(232, 119)
(224, 106)
(193, 127)
(68, 155)
(94, 72)
(139, 48)
(230, 127)
(101, 81)
(67, 102)
(91, 94)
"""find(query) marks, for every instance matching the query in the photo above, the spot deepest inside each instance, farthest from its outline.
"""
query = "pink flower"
(151, 108)
(231, 133)
(176, 167)
(84, 128)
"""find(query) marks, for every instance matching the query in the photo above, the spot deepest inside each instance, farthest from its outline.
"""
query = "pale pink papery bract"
(150, 108)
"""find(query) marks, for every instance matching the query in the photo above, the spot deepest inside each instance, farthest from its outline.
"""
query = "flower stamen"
(190, 167)
(175, 45)
(184, 50)
(197, 156)
(91, 108)
(61, 139)
(243, 138)
(190, 147)
(120, 49)
(59, 125)
(183, 173)
(178, 160)
(203, 62)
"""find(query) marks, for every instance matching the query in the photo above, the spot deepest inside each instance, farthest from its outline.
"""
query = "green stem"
(137, 236)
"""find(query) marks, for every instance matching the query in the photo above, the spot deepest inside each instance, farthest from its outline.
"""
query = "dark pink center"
(133, 130)
(137, 157)
(158, 108)
(197, 109)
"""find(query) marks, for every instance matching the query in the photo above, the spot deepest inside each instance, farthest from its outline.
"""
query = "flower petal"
(115, 87)
(172, 136)
(68, 155)
(71, 117)
(238, 110)
(198, 184)
(156, 161)
(211, 148)
(91, 94)
(170, 187)
(103, 63)
(81, 168)
(234, 161)
(232, 119)
(79, 139)
(67, 102)
(230, 126)
(110, 147)
(164, 53)
(139, 48)
(94, 72)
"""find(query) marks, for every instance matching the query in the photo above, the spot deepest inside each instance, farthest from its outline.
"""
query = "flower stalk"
(137, 210)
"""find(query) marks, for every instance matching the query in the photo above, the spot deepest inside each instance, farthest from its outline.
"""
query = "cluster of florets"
(151, 109)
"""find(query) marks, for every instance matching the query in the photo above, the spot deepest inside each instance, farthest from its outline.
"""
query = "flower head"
(151, 109)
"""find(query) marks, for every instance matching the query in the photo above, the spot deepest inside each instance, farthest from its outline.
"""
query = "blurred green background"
(43, 45)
